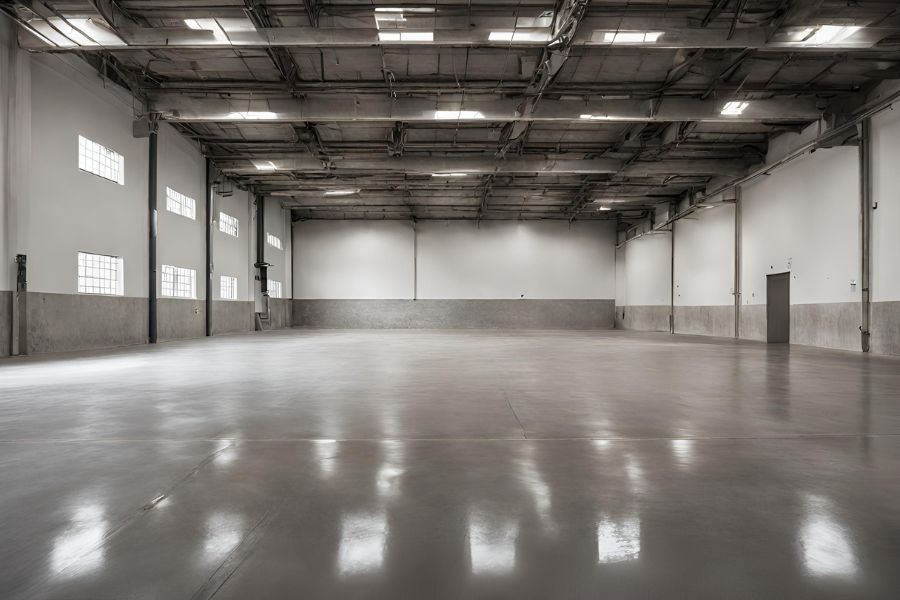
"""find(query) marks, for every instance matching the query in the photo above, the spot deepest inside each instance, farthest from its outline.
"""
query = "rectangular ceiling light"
(72, 33)
(406, 36)
(208, 25)
(253, 115)
(518, 36)
(626, 37)
(348, 192)
(826, 35)
(449, 174)
(733, 109)
(266, 165)
(457, 115)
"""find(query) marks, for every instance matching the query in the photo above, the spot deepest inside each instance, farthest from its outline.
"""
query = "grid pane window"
(273, 240)
(181, 204)
(178, 282)
(228, 224)
(100, 274)
(274, 289)
(100, 160)
(228, 287)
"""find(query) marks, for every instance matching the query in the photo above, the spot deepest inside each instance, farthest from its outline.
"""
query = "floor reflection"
(79, 548)
(363, 542)
(825, 544)
(618, 540)
(223, 533)
(492, 544)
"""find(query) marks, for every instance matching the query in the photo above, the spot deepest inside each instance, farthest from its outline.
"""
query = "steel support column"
(152, 216)
(738, 268)
(865, 227)
(209, 249)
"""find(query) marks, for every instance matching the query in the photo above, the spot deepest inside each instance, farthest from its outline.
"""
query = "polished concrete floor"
(420, 465)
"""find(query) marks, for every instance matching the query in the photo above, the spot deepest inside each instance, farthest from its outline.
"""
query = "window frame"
(224, 224)
(177, 203)
(118, 261)
(91, 153)
(176, 285)
(233, 286)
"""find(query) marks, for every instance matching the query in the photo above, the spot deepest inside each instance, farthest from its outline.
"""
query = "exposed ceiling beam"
(590, 33)
(447, 108)
(566, 20)
(484, 166)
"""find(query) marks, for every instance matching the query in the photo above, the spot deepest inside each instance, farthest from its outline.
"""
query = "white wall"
(278, 223)
(68, 210)
(704, 258)
(455, 259)
(7, 93)
(513, 259)
(646, 280)
(233, 256)
(181, 241)
(886, 218)
(804, 218)
(356, 260)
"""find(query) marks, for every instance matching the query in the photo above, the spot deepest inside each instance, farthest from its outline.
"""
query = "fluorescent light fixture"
(253, 115)
(826, 35)
(518, 36)
(733, 109)
(208, 25)
(449, 174)
(626, 37)
(419, 9)
(70, 33)
(604, 208)
(406, 36)
(599, 118)
(266, 165)
(457, 115)
(348, 192)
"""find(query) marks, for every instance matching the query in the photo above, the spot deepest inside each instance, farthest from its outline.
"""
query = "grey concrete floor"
(403, 464)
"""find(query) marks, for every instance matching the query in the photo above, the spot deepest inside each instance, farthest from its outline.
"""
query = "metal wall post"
(152, 216)
(738, 229)
(209, 250)
(865, 228)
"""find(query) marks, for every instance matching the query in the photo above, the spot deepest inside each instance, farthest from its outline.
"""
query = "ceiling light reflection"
(79, 548)
(363, 541)
(492, 544)
(618, 540)
(827, 550)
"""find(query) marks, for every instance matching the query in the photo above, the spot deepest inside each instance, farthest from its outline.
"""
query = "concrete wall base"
(454, 314)
(886, 328)
(281, 313)
(180, 318)
(832, 325)
(6, 299)
(716, 321)
(66, 322)
(232, 316)
(643, 318)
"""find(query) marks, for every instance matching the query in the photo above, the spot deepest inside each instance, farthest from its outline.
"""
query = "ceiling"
(501, 109)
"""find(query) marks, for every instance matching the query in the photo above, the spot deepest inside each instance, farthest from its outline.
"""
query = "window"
(273, 240)
(228, 287)
(274, 289)
(178, 282)
(180, 204)
(228, 224)
(100, 274)
(100, 160)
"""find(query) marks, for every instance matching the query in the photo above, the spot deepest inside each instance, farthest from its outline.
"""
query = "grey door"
(778, 308)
